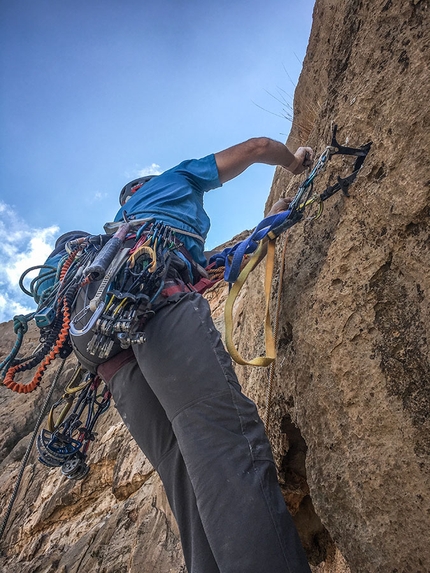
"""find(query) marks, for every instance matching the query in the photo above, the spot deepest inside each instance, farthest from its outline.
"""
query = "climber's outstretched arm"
(234, 160)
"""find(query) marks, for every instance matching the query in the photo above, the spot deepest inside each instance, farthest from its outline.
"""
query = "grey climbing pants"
(180, 399)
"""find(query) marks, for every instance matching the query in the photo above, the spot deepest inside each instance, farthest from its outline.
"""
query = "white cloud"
(9, 308)
(21, 247)
(152, 169)
(36, 252)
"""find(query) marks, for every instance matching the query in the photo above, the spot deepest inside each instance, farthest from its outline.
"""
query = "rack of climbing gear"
(130, 285)
(119, 278)
(262, 240)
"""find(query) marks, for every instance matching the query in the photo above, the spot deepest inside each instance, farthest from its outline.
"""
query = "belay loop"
(265, 235)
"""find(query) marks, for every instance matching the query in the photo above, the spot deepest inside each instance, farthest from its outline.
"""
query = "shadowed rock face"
(349, 421)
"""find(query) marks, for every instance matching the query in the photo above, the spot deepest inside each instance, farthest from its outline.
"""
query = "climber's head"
(131, 188)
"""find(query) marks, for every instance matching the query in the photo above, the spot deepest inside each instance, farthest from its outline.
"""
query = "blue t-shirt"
(176, 198)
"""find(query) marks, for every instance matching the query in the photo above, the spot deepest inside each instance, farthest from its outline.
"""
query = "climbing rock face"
(351, 407)
(349, 416)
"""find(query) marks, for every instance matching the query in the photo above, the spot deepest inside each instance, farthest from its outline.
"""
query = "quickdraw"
(262, 241)
(66, 441)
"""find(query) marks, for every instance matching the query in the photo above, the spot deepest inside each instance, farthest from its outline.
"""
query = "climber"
(180, 398)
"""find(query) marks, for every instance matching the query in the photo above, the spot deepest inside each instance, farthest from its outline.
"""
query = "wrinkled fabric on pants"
(179, 397)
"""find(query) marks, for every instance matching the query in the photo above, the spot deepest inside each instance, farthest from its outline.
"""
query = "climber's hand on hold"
(303, 158)
(280, 206)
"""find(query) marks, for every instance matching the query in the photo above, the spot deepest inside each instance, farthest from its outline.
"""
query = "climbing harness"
(262, 240)
(130, 282)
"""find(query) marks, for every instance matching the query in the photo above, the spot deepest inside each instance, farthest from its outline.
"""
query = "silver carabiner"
(80, 332)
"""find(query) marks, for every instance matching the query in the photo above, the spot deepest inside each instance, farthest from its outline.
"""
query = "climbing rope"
(269, 391)
(20, 327)
(60, 339)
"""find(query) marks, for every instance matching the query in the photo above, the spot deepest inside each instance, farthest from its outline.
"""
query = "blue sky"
(95, 93)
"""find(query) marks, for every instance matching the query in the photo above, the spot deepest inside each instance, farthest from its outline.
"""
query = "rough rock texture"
(349, 421)
(351, 412)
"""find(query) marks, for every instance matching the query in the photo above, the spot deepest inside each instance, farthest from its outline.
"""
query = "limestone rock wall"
(349, 420)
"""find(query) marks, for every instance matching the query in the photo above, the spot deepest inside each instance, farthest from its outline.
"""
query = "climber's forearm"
(234, 160)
